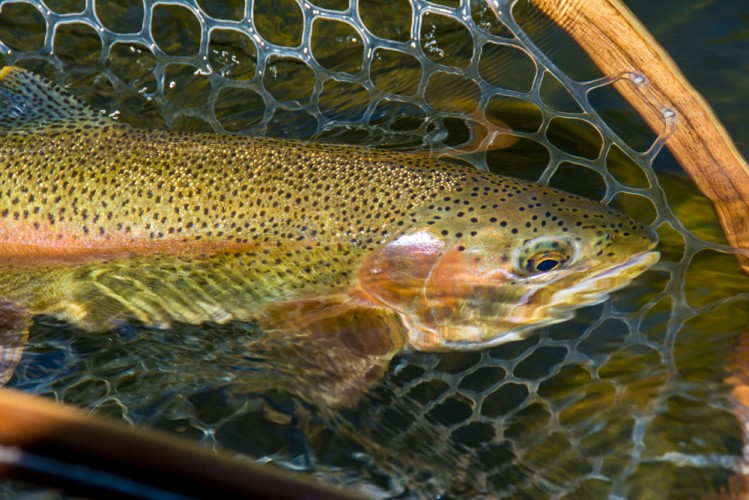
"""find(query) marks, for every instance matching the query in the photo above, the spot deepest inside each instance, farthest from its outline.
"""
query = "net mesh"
(627, 399)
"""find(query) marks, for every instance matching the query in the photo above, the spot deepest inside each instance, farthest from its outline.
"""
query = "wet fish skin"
(102, 223)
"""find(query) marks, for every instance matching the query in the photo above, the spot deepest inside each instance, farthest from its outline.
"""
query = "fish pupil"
(547, 265)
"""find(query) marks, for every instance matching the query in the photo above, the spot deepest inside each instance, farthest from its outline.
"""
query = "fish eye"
(543, 262)
(543, 255)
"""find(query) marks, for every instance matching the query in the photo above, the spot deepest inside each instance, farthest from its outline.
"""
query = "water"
(630, 398)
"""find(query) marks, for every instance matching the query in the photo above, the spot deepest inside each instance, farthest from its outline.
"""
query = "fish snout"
(652, 235)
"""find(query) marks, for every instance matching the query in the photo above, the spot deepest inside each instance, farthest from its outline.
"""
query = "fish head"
(475, 271)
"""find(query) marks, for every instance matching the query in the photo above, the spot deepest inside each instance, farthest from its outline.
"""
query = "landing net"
(627, 399)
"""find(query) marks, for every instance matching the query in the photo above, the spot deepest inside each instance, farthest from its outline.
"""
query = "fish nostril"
(651, 234)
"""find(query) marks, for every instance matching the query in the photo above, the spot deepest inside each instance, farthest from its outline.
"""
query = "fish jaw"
(475, 332)
(596, 288)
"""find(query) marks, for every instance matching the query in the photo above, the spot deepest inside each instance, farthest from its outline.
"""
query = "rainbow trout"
(358, 250)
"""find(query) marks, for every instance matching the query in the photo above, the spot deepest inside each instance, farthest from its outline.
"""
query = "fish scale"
(102, 224)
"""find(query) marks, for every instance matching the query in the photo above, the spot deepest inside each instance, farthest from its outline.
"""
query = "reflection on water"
(627, 399)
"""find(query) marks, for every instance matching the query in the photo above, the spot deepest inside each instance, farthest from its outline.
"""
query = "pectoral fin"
(14, 329)
(329, 350)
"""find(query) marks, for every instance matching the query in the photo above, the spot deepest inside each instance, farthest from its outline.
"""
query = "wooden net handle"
(54, 445)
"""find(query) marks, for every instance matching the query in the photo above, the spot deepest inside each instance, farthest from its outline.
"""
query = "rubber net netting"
(632, 397)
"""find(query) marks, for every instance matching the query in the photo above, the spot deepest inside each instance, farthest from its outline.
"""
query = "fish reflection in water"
(343, 255)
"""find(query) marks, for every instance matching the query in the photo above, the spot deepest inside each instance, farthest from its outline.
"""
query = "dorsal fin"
(31, 102)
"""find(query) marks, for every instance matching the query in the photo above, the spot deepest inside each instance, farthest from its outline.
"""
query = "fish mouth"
(598, 287)
(639, 264)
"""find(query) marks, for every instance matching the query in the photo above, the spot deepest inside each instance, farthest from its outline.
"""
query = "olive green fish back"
(208, 188)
